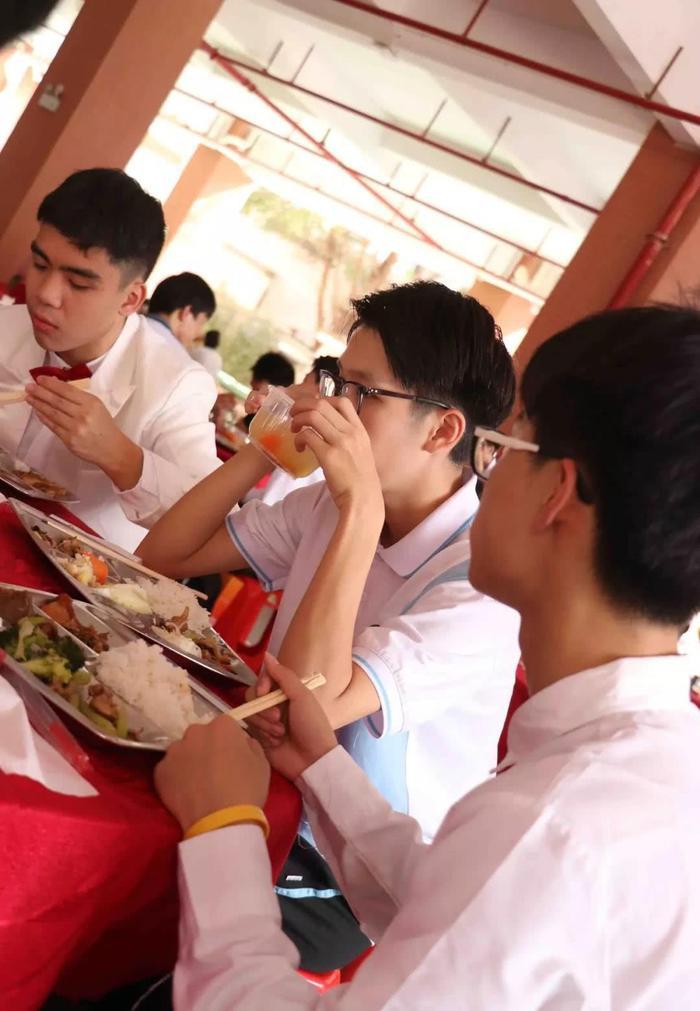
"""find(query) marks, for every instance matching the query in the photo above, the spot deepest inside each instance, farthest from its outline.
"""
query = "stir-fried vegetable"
(59, 661)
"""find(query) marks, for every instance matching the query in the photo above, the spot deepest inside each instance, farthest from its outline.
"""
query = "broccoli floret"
(8, 640)
(71, 651)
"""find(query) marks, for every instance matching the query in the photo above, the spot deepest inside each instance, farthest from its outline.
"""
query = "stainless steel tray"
(119, 572)
(13, 479)
(151, 737)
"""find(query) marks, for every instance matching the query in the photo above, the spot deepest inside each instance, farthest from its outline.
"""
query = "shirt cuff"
(390, 719)
(337, 793)
(225, 875)
(141, 501)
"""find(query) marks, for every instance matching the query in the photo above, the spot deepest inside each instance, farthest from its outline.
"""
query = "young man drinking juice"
(569, 881)
(419, 664)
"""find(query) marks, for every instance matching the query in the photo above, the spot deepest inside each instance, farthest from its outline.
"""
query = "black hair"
(181, 291)
(326, 362)
(20, 16)
(619, 393)
(105, 208)
(445, 346)
(273, 368)
(212, 338)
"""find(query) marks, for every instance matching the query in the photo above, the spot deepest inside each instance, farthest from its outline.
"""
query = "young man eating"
(372, 608)
(569, 881)
(139, 437)
(374, 561)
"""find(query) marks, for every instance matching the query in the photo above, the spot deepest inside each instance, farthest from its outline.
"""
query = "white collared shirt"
(441, 656)
(282, 484)
(163, 328)
(568, 883)
(158, 397)
(208, 358)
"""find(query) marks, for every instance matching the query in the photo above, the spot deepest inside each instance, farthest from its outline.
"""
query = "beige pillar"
(116, 67)
(207, 173)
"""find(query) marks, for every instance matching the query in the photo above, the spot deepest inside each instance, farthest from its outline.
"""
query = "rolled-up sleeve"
(179, 450)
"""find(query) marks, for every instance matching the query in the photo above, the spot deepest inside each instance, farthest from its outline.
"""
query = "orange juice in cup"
(270, 432)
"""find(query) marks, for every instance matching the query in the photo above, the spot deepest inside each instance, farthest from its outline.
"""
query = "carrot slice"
(99, 567)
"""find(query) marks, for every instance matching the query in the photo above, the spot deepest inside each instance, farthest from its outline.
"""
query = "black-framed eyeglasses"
(331, 385)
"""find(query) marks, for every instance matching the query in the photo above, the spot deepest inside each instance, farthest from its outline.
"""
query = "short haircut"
(619, 393)
(212, 338)
(180, 291)
(445, 346)
(106, 209)
(326, 362)
(273, 368)
(19, 16)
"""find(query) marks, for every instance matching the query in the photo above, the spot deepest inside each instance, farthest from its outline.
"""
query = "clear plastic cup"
(270, 432)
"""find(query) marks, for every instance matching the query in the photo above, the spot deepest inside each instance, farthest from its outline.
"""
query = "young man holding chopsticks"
(375, 562)
(569, 881)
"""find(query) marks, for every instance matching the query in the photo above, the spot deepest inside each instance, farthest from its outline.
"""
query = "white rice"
(169, 599)
(142, 676)
(178, 639)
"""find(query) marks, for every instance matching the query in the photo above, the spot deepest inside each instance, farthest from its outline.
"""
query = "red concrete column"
(207, 172)
(618, 234)
(116, 66)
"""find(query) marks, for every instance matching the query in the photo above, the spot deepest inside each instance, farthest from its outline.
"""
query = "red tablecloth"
(89, 897)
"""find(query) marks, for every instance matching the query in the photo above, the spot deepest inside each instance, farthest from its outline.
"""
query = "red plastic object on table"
(246, 623)
(322, 981)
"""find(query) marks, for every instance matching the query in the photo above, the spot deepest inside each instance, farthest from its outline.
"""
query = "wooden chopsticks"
(276, 698)
(18, 394)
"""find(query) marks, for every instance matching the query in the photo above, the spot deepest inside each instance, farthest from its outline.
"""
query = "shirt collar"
(630, 684)
(443, 526)
(160, 321)
(52, 358)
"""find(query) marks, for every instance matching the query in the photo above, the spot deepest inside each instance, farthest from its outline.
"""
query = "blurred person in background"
(280, 483)
(271, 369)
(181, 306)
(207, 354)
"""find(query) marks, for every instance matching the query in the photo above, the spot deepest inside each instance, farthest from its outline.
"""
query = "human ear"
(134, 298)
(446, 431)
(560, 493)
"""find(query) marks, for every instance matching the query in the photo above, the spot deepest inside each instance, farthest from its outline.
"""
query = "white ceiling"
(561, 137)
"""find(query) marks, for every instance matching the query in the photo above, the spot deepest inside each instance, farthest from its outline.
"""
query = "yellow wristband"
(240, 814)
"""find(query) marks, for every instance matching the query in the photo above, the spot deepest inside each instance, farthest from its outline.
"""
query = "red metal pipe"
(247, 83)
(657, 240)
(660, 108)
(445, 148)
(378, 182)
(474, 18)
